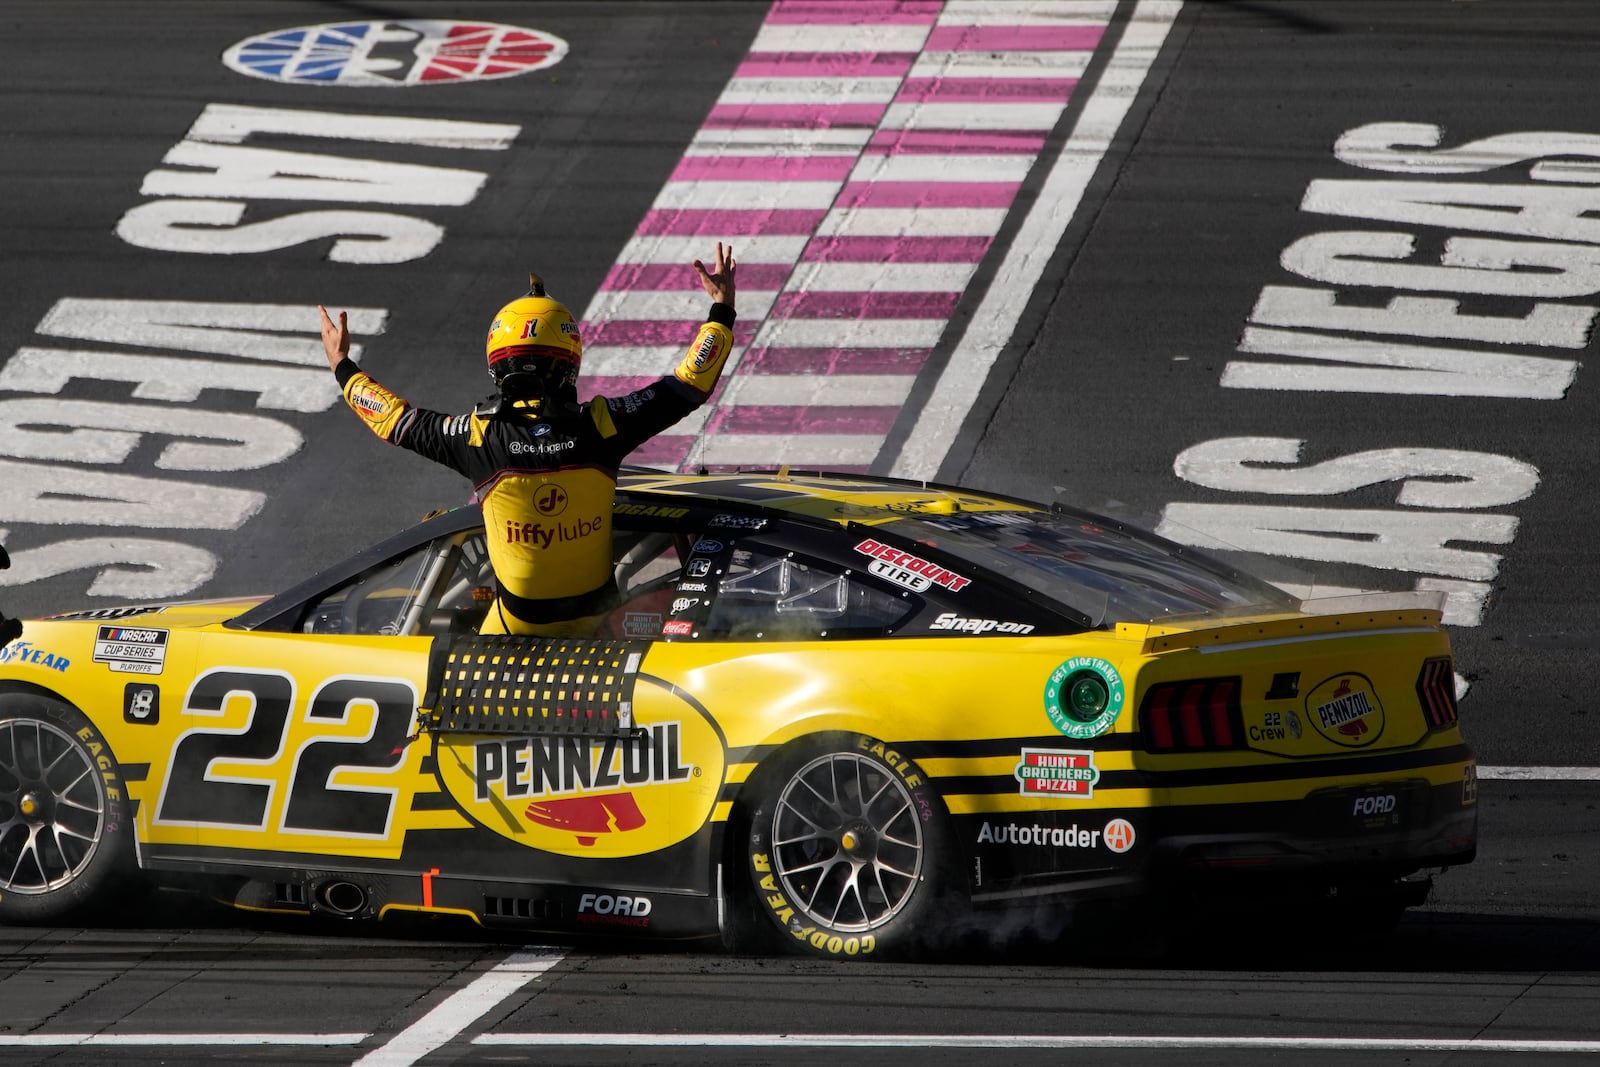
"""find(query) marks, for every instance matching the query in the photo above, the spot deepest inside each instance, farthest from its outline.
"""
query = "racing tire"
(849, 854)
(65, 835)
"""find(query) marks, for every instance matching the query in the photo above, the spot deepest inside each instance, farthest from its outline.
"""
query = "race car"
(841, 715)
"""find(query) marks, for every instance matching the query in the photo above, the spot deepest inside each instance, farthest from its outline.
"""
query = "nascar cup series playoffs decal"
(397, 53)
(1084, 696)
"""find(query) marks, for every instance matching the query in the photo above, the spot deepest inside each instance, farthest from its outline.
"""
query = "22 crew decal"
(227, 776)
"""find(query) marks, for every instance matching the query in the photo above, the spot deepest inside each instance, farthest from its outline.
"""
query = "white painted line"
(1130, 1041)
(818, 390)
(910, 222)
(971, 115)
(1000, 65)
(1027, 13)
(173, 1040)
(838, 38)
(747, 196)
(1036, 241)
(809, 91)
(665, 305)
(772, 449)
(849, 333)
(462, 1008)
(925, 167)
(1540, 774)
(832, 141)
(845, 277)
(682, 250)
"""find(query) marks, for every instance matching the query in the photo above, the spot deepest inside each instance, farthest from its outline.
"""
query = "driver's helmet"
(533, 346)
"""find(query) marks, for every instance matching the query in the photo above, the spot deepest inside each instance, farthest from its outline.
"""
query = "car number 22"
(198, 793)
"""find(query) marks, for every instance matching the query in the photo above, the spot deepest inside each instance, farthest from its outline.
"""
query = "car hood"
(188, 614)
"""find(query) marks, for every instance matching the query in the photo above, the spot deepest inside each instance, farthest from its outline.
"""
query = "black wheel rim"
(846, 842)
(52, 807)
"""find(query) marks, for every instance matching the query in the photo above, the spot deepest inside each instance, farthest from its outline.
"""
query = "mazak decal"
(592, 797)
(131, 649)
(1054, 772)
(396, 54)
(904, 569)
(1345, 709)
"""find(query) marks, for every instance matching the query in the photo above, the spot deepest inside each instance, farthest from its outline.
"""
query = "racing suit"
(546, 474)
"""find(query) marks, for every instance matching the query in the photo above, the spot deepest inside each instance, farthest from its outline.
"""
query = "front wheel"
(849, 852)
(64, 835)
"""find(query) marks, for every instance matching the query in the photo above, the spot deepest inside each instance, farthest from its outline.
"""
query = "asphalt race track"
(1312, 281)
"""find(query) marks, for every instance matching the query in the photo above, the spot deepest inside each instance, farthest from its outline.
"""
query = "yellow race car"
(835, 713)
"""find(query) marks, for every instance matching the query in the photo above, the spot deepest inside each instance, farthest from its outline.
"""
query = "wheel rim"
(52, 807)
(846, 842)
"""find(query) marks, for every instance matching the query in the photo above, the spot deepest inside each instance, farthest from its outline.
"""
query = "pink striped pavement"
(861, 176)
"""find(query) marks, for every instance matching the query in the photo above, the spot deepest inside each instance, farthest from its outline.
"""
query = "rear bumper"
(1369, 834)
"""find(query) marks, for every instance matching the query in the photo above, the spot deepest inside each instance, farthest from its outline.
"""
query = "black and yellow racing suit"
(546, 475)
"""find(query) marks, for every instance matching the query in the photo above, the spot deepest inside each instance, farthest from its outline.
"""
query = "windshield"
(1108, 572)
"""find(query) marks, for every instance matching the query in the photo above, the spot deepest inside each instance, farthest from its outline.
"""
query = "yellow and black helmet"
(533, 347)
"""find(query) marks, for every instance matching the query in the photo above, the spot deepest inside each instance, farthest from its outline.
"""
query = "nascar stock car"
(833, 713)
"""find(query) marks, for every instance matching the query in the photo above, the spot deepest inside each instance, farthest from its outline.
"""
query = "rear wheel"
(64, 834)
(848, 851)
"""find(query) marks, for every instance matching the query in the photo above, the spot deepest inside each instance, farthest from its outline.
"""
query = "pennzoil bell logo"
(1345, 709)
(590, 796)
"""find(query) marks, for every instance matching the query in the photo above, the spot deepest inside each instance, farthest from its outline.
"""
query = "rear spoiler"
(10, 629)
(1201, 634)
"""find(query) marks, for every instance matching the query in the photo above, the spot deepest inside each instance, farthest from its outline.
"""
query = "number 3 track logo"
(256, 768)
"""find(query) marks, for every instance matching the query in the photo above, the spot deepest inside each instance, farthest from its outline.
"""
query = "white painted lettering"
(1556, 213)
(1468, 265)
(1377, 367)
(1547, 325)
(133, 568)
(233, 123)
(211, 227)
(33, 429)
(1386, 540)
(1384, 146)
(41, 370)
(1475, 479)
(232, 172)
(55, 495)
(279, 333)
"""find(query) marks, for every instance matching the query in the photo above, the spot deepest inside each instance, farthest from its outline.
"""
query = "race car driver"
(544, 465)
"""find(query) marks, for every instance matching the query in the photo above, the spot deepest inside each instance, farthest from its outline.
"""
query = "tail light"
(1436, 692)
(1193, 716)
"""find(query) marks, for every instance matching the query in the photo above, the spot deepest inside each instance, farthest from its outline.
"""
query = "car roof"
(830, 497)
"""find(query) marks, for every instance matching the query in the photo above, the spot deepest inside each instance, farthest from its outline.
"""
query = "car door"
(299, 741)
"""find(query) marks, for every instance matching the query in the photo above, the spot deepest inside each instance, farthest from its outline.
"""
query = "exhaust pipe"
(342, 898)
